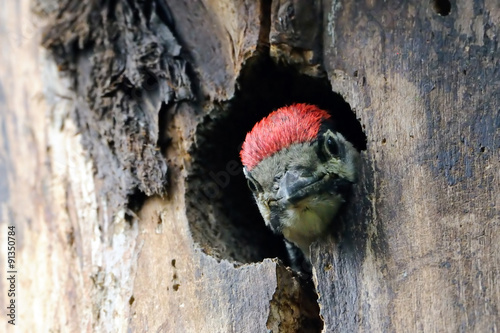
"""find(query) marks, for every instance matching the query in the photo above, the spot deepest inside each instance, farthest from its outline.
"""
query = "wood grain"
(106, 109)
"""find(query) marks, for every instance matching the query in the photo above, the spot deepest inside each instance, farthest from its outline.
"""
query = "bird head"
(299, 169)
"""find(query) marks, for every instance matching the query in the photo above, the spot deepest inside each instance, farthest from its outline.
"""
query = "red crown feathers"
(296, 123)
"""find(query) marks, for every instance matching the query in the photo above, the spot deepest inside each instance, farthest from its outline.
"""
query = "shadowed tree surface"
(120, 128)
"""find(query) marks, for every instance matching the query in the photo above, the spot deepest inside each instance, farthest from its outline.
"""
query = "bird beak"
(297, 185)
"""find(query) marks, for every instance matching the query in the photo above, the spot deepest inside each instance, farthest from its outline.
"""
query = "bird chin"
(307, 220)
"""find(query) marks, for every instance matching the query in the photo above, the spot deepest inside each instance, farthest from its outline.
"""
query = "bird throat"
(309, 219)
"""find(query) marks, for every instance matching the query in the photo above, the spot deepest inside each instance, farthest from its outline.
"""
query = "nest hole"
(224, 218)
(135, 200)
(442, 7)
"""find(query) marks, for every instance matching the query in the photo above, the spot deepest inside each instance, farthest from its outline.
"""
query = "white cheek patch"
(264, 210)
(346, 168)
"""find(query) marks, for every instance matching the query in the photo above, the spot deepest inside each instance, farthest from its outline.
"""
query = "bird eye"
(252, 185)
(332, 146)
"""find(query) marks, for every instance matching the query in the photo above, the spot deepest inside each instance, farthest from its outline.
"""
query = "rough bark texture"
(423, 252)
(120, 128)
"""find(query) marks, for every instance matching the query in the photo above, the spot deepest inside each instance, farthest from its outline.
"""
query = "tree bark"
(121, 123)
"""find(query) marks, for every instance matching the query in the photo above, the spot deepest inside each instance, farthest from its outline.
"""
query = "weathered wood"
(100, 158)
(113, 131)
(421, 254)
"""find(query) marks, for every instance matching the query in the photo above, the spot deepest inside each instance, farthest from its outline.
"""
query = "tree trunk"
(121, 123)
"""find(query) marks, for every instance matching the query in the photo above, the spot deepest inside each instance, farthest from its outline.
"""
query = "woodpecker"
(299, 169)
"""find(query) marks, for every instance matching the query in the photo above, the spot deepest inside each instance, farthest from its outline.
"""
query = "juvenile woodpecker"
(299, 169)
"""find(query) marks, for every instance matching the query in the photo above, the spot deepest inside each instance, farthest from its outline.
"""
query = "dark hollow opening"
(135, 200)
(223, 215)
(442, 7)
